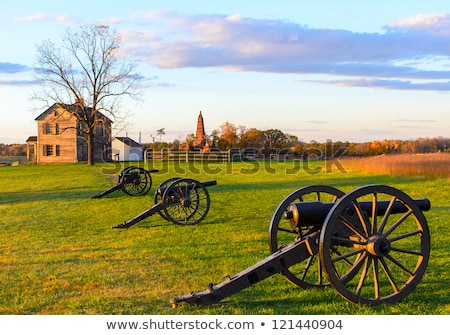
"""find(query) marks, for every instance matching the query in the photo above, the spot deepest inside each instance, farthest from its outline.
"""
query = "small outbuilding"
(126, 149)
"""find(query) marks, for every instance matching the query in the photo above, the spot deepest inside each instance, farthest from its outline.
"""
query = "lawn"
(59, 255)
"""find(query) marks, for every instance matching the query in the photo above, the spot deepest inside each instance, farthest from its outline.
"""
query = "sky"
(320, 70)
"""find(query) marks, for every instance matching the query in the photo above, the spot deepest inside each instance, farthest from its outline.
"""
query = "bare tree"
(87, 72)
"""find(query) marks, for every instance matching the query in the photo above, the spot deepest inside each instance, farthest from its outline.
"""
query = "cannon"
(371, 245)
(182, 201)
(133, 181)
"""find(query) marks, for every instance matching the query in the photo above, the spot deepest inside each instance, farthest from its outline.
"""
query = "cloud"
(11, 74)
(414, 121)
(376, 131)
(308, 130)
(316, 121)
(18, 82)
(41, 17)
(397, 59)
(154, 82)
(12, 68)
(389, 84)
(32, 18)
(433, 23)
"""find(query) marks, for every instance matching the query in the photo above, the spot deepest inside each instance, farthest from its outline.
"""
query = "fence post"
(146, 154)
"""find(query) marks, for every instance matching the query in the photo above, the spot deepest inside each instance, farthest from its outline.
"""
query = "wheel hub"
(186, 202)
(378, 246)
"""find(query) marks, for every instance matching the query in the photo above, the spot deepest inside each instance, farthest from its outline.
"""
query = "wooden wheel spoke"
(406, 251)
(177, 211)
(362, 219)
(348, 241)
(199, 199)
(355, 267)
(376, 278)
(398, 222)
(346, 256)
(363, 275)
(374, 213)
(389, 274)
(400, 265)
(190, 209)
(386, 215)
(406, 235)
(348, 224)
(177, 194)
(306, 269)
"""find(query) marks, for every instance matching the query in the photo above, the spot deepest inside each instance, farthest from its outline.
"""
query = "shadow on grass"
(296, 301)
(53, 194)
(352, 182)
(89, 192)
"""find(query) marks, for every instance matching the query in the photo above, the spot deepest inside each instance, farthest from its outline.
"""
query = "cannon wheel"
(123, 172)
(158, 195)
(135, 181)
(185, 202)
(309, 273)
(373, 258)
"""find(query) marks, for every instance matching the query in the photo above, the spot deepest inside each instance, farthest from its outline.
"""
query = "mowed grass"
(59, 255)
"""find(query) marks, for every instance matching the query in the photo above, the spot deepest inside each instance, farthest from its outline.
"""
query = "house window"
(47, 128)
(52, 150)
(50, 129)
(48, 150)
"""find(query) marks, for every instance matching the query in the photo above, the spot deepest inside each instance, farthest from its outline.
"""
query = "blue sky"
(339, 70)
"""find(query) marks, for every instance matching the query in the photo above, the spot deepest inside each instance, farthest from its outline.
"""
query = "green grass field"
(59, 255)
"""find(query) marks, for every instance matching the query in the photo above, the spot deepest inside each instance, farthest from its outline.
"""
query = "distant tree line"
(274, 141)
(13, 149)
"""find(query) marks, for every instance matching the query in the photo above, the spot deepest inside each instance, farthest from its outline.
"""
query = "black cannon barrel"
(314, 212)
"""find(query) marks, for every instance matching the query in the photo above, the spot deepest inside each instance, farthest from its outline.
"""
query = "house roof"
(128, 141)
(31, 139)
(68, 108)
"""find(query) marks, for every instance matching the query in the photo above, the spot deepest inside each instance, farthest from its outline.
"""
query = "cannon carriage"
(371, 245)
(183, 201)
(132, 180)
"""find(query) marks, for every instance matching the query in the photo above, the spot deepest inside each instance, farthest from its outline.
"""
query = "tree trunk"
(90, 145)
